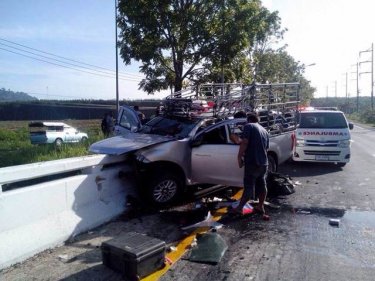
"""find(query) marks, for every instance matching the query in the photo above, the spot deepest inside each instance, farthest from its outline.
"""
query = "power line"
(72, 64)
(80, 62)
(89, 72)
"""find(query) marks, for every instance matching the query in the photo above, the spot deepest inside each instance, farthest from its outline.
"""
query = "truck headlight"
(344, 143)
(300, 142)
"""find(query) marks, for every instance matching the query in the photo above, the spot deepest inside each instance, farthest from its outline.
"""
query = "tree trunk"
(178, 84)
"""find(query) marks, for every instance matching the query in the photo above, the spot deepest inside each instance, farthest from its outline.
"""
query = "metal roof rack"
(225, 99)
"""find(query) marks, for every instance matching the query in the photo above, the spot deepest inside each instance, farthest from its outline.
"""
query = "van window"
(328, 120)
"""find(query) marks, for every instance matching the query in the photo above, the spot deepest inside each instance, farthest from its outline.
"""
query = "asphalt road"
(296, 244)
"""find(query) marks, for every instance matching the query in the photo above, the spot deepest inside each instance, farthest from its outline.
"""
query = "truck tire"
(58, 142)
(272, 166)
(164, 189)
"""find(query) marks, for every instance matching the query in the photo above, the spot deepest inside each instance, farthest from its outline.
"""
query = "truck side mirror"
(351, 126)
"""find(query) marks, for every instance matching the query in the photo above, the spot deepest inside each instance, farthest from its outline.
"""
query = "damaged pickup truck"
(181, 148)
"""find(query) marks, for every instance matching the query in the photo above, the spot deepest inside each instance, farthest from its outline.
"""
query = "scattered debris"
(303, 212)
(278, 184)
(210, 249)
(334, 222)
(207, 222)
(297, 183)
(168, 261)
(135, 255)
(172, 249)
(65, 258)
(247, 208)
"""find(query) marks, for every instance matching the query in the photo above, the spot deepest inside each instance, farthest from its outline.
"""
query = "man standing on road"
(253, 155)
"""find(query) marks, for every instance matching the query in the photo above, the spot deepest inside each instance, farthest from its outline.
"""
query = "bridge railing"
(44, 204)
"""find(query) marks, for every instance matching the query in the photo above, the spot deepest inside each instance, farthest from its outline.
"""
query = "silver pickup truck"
(175, 152)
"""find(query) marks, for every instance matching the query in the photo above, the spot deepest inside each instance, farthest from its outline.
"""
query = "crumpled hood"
(130, 142)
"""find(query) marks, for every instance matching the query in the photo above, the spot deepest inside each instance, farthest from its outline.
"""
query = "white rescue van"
(323, 136)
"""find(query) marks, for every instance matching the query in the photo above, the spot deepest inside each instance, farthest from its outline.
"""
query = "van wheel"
(58, 142)
(272, 166)
(84, 139)
(163, 189)
(341, 164)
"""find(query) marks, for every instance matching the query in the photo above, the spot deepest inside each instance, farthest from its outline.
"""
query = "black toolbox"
(134, 255)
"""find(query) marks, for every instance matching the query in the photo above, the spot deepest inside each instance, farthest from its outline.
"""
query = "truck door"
(128, 121)
(214, 158)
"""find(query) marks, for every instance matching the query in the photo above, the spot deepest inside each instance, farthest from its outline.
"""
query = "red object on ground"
(247, 209)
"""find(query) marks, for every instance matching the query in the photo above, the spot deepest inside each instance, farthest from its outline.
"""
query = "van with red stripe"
(322, 136)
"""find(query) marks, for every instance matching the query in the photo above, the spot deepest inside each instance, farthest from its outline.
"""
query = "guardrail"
(44, 204)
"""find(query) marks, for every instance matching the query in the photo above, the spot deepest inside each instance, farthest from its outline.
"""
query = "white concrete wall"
(44, 215)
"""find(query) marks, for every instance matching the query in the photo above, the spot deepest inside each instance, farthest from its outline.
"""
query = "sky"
(325, 34)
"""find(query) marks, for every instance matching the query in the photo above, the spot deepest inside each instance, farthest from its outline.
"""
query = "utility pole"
(346, 87)
(356, 78)
(117, 94)
(346, 92)
(337, 104)
(336, 89)
(371, 50)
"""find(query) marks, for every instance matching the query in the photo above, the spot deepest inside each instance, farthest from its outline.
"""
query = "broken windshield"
(169, 126)
(323, 120)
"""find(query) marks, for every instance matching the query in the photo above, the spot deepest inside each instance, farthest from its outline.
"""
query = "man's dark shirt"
(258, 144)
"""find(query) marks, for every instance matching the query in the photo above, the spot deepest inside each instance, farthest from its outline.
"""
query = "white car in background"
(54, 132)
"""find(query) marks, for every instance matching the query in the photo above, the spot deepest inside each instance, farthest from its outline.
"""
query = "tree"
(185, 39)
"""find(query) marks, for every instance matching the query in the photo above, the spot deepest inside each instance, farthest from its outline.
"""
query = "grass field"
(16, 149)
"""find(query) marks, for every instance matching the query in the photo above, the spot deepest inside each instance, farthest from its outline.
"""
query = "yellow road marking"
(184, 244)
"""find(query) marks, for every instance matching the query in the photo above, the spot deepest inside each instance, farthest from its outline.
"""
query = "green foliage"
(16, 149)
(8, 95)
(368, 116)
(195, 40)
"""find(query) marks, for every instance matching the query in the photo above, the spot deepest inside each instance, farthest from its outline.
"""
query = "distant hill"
(8, 95)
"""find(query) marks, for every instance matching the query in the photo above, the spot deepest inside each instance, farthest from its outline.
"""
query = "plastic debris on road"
(207, 222)
(334, 222)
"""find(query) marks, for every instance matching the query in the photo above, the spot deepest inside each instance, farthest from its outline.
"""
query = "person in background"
(141, 116)
(252, 154)
(109, 124)
(103, 125)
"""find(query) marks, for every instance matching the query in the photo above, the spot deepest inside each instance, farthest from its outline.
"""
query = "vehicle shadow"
(305, 169)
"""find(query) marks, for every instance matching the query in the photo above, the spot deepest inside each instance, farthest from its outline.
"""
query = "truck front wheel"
(163, 189)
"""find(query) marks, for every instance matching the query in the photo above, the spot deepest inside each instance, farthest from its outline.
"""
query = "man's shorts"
(255, 180)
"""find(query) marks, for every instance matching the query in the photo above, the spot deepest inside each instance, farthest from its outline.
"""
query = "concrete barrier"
(44, 204)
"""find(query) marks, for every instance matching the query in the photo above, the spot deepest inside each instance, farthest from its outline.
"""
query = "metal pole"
(336, 89)
(372, 76)
(346, 87)
(357, 89)
(117, 95)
